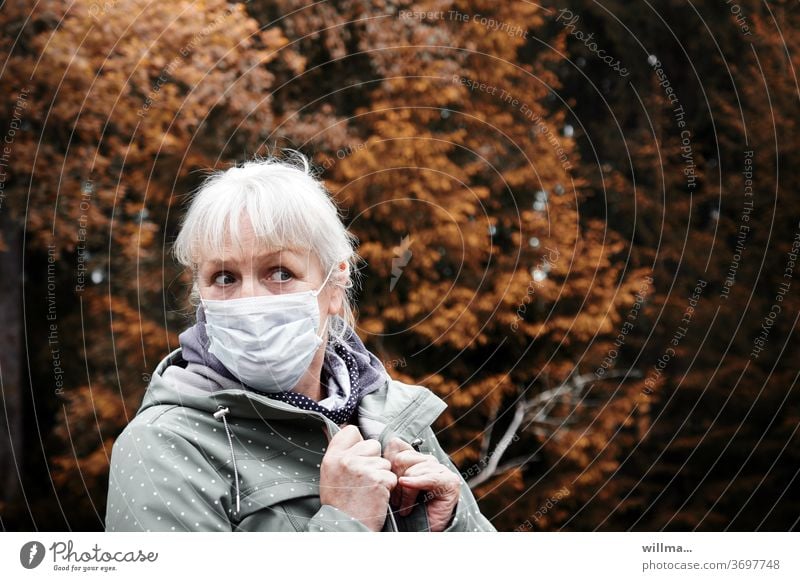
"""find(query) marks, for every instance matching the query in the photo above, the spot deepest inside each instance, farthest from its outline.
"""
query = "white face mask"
(267, 341)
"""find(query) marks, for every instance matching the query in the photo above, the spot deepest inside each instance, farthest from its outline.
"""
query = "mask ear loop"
(319, 290)
(324, 282)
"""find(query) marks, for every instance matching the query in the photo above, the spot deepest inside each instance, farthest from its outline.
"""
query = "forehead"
(232, 254)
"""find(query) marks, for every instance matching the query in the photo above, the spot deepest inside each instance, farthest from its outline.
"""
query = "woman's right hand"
(355, 478)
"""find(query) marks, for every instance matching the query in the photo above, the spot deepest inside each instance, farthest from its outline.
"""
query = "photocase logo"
(402, 257)
(31, 554)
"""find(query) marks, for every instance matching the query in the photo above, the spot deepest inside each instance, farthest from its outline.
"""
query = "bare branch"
(487, 434)
(538, 407)
(502, 445)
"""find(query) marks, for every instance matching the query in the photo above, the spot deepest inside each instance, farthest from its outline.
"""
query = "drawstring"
(221, 412)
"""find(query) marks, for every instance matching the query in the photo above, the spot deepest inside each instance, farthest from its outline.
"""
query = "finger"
(345, 438)
(407, 459)
(376, 463)
(370, 447)
(365, 464)
(405, 498)
(427, 481)
(387, 478)
(395, 446)
(408, 499)
(396, 499)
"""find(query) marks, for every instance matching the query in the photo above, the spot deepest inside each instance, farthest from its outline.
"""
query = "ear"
(337, 294)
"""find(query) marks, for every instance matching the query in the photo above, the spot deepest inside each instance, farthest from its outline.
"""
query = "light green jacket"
(174, 466)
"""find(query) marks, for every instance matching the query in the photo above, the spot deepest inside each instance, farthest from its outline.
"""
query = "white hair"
(288, 208)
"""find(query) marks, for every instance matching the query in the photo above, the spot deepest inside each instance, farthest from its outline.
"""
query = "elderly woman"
(272, 415)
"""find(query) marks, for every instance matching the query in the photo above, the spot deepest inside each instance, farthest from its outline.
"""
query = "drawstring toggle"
(220, 414)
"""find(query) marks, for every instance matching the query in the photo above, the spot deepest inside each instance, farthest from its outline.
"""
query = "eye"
(223, 278)
(281, 274)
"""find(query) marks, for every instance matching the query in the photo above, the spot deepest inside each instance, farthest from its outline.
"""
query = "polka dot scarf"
(340, 415)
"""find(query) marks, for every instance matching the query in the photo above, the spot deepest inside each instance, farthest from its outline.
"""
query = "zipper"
(416, 444)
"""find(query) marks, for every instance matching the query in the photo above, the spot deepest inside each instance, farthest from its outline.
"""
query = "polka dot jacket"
(205, 454)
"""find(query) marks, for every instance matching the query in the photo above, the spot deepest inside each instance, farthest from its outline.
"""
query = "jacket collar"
(393, 408)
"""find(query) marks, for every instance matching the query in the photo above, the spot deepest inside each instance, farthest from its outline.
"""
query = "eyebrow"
(257, 258)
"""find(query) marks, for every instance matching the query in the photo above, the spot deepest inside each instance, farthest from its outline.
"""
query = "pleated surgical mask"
(267, 341)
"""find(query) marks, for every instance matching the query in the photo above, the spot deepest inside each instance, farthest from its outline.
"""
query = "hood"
(391, 408)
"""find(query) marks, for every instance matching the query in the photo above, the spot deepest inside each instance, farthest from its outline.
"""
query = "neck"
(310, 384)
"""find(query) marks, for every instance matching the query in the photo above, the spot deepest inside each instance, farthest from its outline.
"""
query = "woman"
(272, 415)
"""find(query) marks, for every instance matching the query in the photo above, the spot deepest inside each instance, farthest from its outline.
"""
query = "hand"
(355, 479)
(417, 472)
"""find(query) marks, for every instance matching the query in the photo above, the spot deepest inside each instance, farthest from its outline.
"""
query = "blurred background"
(579, 225)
